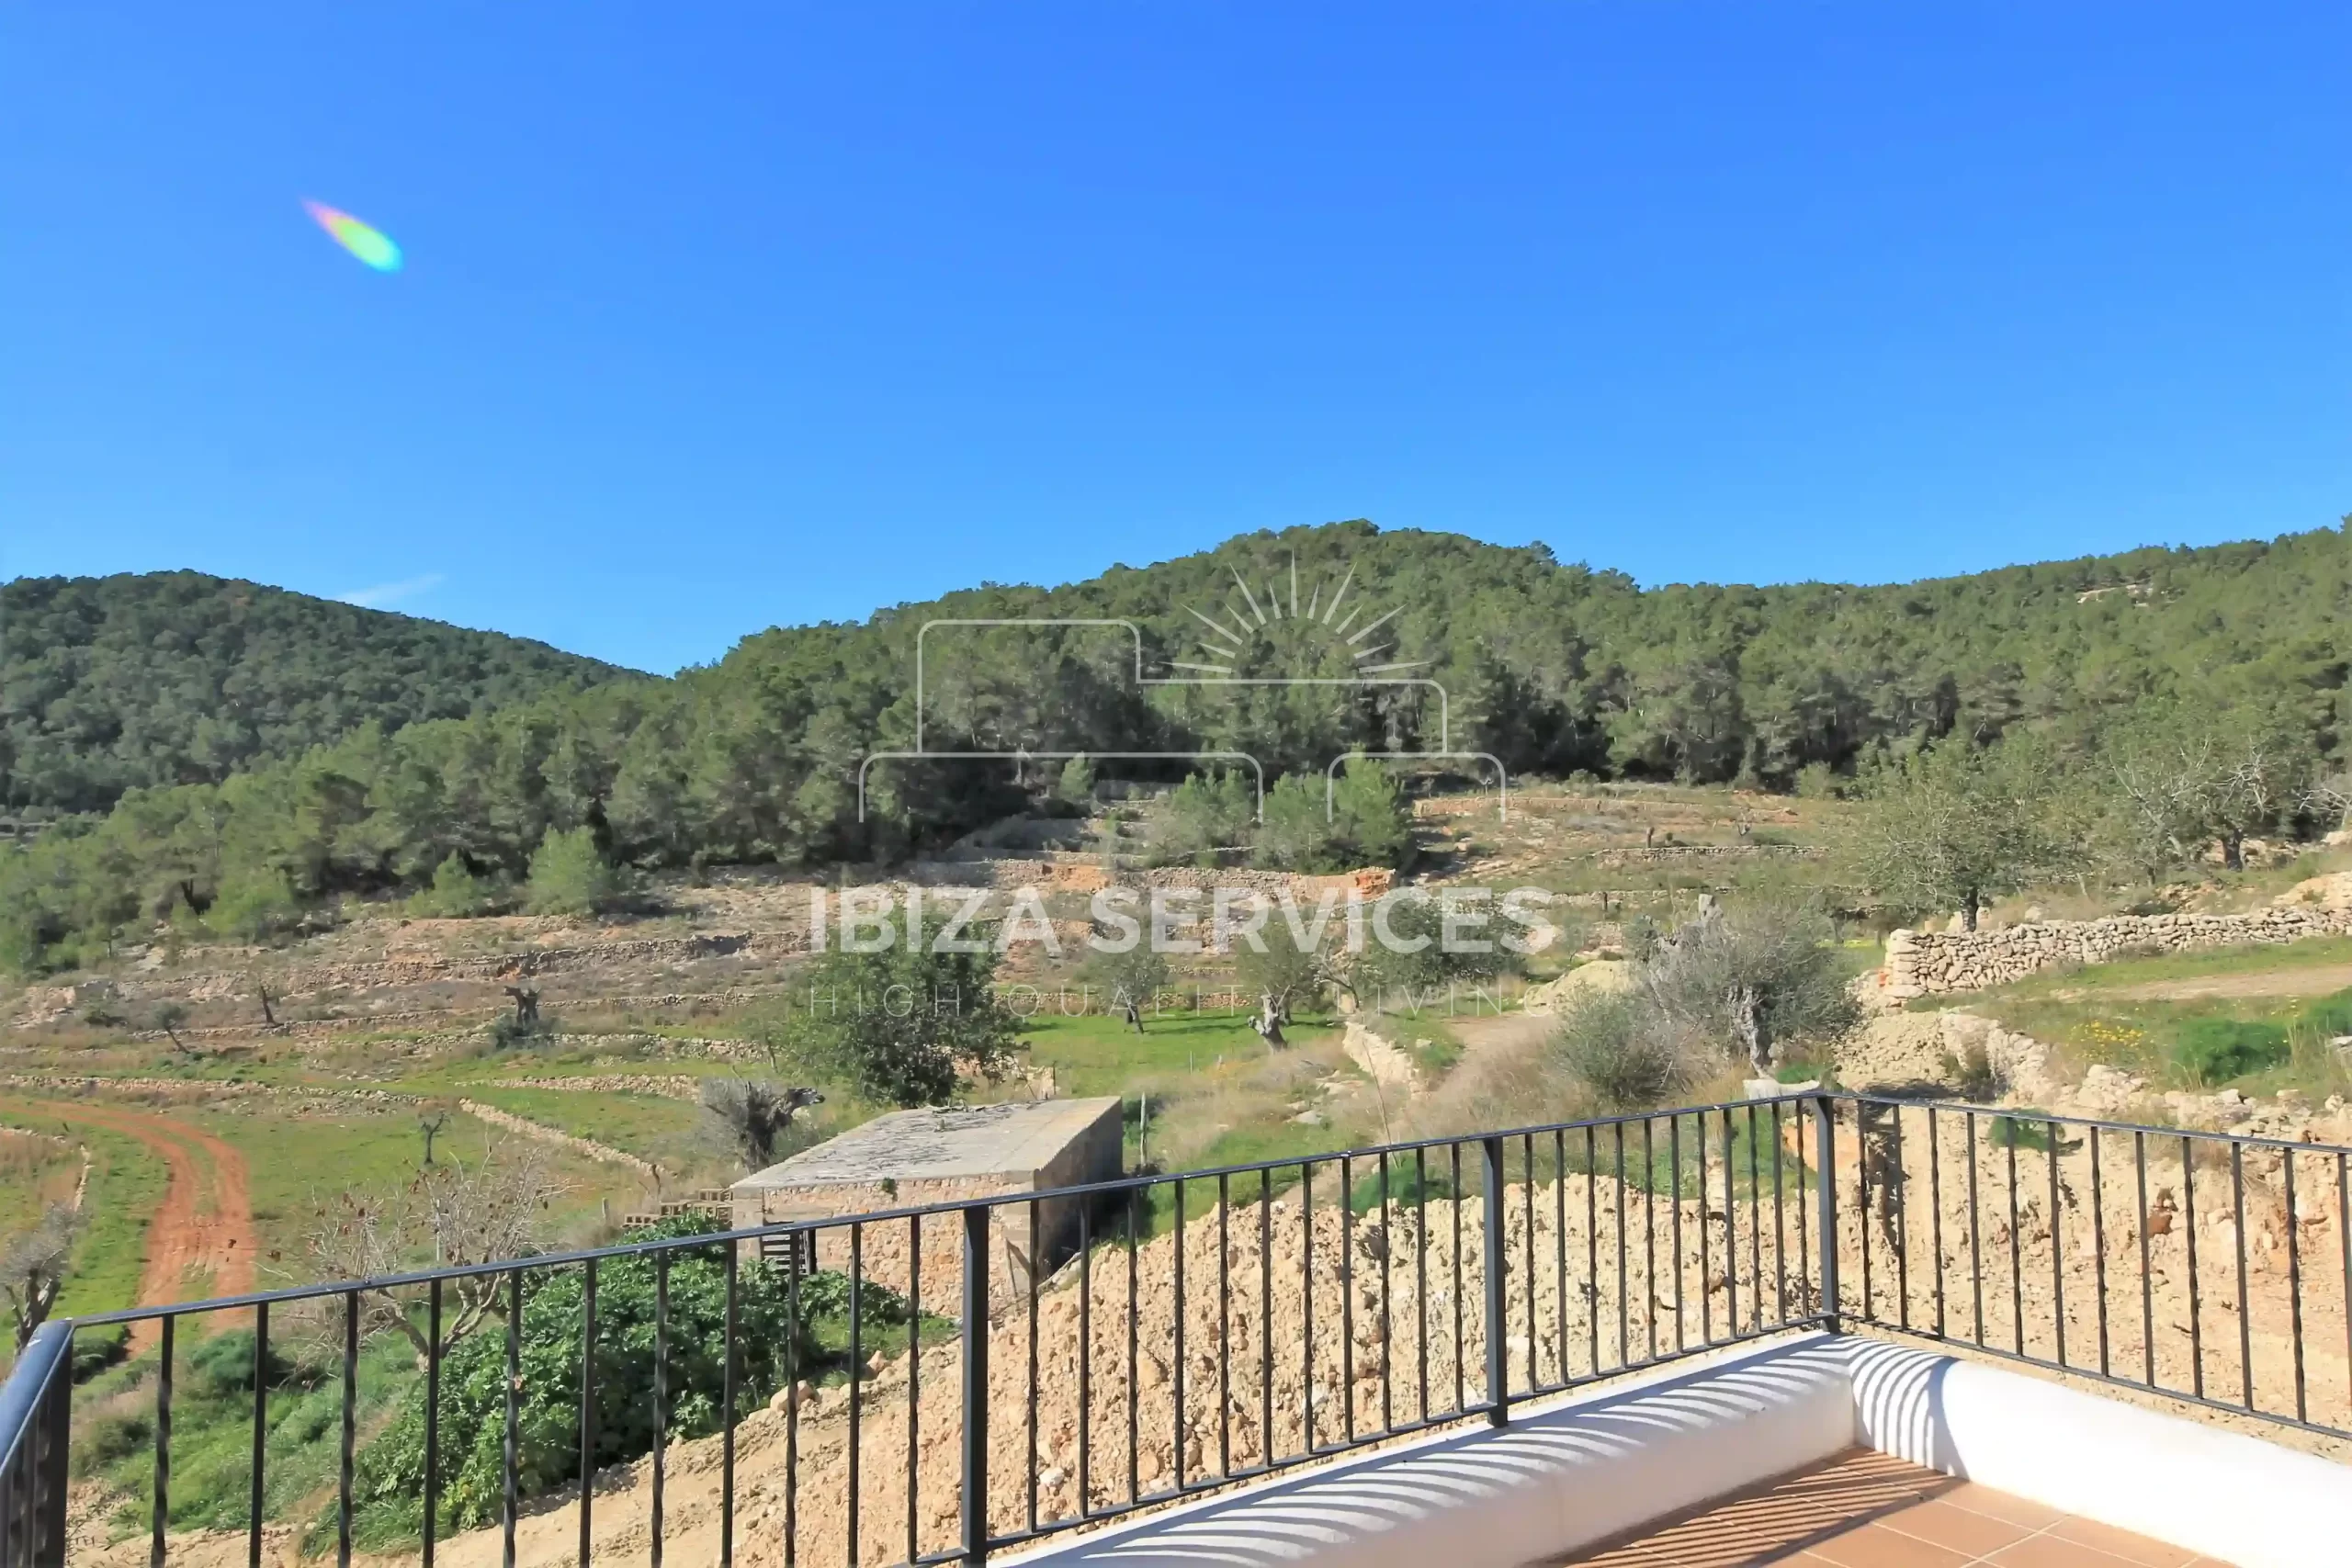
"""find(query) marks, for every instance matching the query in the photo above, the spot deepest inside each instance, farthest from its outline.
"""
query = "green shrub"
(2215, 1050)
(2329, 1016)
(224, 1365)
(456, 893)
(95, 1349)
(570, 876)
(2019, 1133)
(1971, 1074)
(1408, 1188)
(473, 1383)
(255, 906)
(509, 1034)
(1602, 1043)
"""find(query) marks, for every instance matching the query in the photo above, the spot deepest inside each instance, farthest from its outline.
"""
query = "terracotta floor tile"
(2051, 1552)
(1970, 1534)
(1875, 1546)
(1770, 1523)
(2136, 1548)
(1864, 1509)
(1980, 1499)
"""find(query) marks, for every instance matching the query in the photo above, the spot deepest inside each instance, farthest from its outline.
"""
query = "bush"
(1603, 1043)
(508, 1033)
(456, 893)
(473, 1383)
(255, 906)
(95, 1349)
(224, 1365)
(1203, 814)
(901, 1026)
(1972, 1073)
(2330, 1016)
(2021, 1132)
(1407, 1186)
(2215, 1050)
(570, 876)
(1297, 834)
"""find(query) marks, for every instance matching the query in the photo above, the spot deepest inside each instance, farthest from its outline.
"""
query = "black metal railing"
(939, 1382)
(2211, 1268)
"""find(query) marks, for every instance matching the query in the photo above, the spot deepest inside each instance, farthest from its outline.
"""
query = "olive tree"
(1956, 826)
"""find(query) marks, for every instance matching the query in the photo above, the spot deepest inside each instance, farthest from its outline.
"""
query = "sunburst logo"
(1247, 615)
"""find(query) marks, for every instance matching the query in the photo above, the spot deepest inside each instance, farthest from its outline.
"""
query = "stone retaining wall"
(1923, 962)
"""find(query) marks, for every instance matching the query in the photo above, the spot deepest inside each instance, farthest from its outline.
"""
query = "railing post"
(35, 1407)
(1498, 1359)
(1825, 1184)
(50, 1471)
(975, 1385)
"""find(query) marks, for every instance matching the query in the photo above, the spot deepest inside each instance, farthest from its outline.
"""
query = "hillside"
(1551, 668)
(109, 683)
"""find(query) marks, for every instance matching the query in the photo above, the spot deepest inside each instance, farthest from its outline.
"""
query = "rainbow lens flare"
(370, 245)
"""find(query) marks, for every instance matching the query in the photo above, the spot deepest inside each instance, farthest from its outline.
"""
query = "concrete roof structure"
(940, 1144)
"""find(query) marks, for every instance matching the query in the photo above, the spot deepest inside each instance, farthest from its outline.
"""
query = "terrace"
(1818, 1328)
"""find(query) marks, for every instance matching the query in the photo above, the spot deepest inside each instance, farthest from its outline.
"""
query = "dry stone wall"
(1925, 962)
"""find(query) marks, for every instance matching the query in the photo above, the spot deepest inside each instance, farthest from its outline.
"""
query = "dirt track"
(200, 1240)
(2320, 981)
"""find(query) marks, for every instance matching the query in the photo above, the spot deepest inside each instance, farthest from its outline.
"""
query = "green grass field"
(34, 1173)
(212, 1426)
(297, 1163)
(1100, 1055)
(668, 1132)
(126, 1184)
(2090, 1015)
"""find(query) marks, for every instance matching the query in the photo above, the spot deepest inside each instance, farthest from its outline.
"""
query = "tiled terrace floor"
(1863, 1509)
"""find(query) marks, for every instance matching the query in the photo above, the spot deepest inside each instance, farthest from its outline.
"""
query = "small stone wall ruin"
(1929, 963)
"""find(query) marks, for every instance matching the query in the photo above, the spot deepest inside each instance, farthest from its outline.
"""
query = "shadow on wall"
(1551, 1482)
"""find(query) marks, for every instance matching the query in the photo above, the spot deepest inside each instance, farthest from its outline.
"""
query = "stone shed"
(911, 1158)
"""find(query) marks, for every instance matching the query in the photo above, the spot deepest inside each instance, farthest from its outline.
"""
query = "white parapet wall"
(2219, 1494)
(1577, 1471)
(1564, 1474)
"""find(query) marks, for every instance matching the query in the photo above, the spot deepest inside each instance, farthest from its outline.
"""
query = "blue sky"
(722, 316)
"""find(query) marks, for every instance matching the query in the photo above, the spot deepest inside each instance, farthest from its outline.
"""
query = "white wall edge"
(1579, 1469)
(2176, 1480)
(1567, 1472)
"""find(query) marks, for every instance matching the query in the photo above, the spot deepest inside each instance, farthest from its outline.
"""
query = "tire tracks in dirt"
(204, 1227)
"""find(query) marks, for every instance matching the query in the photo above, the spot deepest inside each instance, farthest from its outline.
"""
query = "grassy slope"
(126, 1184)
(2091, 1015)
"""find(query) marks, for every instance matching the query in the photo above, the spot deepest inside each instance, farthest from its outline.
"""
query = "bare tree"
(2331, 797)
(2193, 775)
(450, 1215)
(32, 1271)
(430, 1125)
(756, 1113)
(526, 1007)
(268, 1018)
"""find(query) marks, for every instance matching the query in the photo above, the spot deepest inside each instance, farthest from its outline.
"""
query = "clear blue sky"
(721, 316)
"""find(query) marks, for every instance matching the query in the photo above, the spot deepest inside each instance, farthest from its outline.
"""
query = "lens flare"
(370, 245)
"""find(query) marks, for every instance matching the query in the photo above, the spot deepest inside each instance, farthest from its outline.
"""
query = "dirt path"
(201, 1239)
(1502, 1031)
(2316, 981)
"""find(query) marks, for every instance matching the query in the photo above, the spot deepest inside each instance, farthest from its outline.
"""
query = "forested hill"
(173, 677)
(1551, 668)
